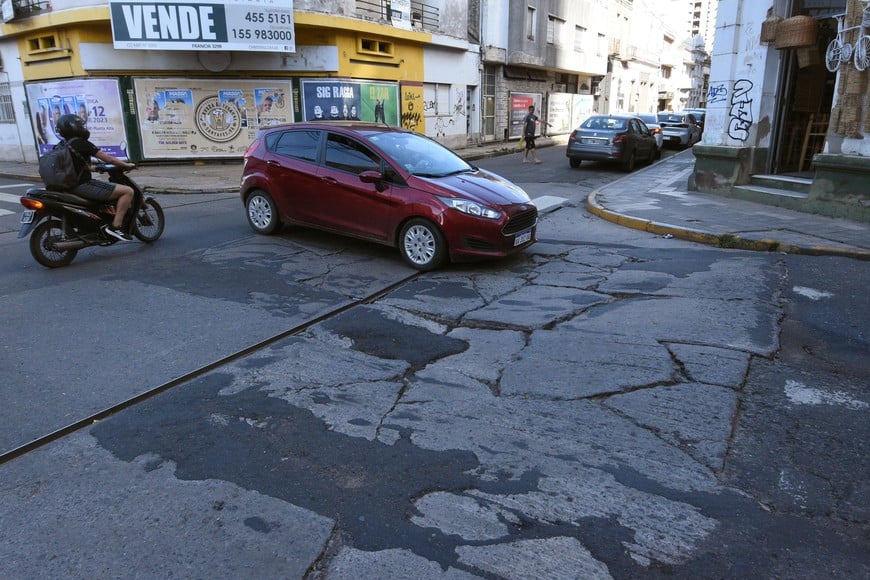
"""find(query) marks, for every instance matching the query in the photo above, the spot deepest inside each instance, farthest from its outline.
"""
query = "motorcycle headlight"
(471, 208)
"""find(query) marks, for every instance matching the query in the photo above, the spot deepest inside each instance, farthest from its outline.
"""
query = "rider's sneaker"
(116, 233)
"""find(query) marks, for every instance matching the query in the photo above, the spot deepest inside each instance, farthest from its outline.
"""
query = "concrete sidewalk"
(655, 199)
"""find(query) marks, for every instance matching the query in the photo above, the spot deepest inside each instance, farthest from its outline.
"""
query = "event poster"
(97, 101)
(186, 118)
(519, 108)
(331, 100)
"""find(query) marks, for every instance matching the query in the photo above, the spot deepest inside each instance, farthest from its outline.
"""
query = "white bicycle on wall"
(840, 51)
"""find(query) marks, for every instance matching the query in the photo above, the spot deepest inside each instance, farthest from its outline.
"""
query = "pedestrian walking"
(530, 126)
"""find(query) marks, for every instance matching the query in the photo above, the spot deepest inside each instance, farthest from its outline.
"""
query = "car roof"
(351, 126)
(613, 116)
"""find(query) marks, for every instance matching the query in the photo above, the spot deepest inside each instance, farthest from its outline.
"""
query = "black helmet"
(70, 126)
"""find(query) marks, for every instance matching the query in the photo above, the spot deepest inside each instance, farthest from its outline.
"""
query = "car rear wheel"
(575, 163)
(628, 164)
(422, 245)
(262, 212)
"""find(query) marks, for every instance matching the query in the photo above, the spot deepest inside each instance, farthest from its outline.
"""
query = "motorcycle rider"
(72, 128)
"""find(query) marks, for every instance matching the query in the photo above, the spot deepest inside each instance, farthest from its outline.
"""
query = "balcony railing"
(25, 8)
(423, 16)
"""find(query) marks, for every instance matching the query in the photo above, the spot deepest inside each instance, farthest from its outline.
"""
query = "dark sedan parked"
(622, 138)
(387, 185)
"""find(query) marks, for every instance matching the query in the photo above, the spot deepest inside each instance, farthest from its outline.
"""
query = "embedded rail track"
(83, 422)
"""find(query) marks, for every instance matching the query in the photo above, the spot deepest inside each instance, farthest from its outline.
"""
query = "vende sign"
(247, 25)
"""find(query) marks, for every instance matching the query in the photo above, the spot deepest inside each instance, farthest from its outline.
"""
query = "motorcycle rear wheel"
(149, 222)
(42, 245)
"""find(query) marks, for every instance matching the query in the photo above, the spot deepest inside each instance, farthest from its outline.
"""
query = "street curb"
(729, 241)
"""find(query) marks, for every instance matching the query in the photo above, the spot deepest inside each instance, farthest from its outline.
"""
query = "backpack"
(57, 168)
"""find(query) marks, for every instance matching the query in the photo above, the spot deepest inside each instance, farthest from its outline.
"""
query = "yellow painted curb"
(719, 240)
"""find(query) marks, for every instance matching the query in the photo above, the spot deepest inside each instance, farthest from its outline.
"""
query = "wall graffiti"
(459, 105)
(717, 94)
(441, 124)
(740, 114)
(412, 108)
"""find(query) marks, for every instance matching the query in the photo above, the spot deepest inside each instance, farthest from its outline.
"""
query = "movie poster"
(96, 101)
(197, 118)
(331, 100)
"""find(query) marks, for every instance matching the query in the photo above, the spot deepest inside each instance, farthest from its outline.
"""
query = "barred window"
(7, 112)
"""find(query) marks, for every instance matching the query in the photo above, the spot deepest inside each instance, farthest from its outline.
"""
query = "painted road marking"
(801, 394)
(811, 293)
(10, 198)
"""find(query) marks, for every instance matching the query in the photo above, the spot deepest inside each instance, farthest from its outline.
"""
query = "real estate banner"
(184, 118)
(241, 25)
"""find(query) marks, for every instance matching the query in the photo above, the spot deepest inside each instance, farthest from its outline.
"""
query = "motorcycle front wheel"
(42, 245)
(149, 222)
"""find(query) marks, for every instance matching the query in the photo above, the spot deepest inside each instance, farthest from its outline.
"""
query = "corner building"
(346, 59)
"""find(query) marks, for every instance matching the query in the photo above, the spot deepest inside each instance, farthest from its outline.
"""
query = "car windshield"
(420, 155)
(604, 123)
(649, 119)
(671, 119)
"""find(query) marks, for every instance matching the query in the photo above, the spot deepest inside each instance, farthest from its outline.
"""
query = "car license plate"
(27, 216)
(590, 141)
(523, 237)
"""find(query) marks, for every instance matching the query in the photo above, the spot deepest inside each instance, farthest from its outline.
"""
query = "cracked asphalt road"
(592, 409)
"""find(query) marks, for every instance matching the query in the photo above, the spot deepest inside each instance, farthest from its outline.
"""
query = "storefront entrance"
(807, 90)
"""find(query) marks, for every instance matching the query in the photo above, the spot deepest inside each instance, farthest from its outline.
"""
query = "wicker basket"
(768, 29)
(796, 31)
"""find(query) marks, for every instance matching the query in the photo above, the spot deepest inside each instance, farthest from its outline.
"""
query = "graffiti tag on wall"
(717, 94)
(412, 107)
(740, 114)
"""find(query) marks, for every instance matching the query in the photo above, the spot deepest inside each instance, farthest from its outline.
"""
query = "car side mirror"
(375, 177)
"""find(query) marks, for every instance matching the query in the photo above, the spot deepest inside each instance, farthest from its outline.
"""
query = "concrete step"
(782, 182)
(769, 195)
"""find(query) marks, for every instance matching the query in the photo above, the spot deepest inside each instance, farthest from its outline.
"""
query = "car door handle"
(329, 180)
(273, 163)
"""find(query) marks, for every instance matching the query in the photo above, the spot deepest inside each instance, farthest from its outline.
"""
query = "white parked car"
(680, 129)
(652, 122)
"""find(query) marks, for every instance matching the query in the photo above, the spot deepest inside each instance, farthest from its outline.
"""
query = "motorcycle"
(62, 223)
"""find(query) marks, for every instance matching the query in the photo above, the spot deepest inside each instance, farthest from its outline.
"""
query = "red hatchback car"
(384, 184)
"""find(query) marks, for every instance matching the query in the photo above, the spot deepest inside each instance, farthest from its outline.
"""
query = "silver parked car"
(680, 129)
(621, 138)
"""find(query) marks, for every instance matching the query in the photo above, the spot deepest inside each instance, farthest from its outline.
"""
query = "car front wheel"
(262, 212)
(422, 245)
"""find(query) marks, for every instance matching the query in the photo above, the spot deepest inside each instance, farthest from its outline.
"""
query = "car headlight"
(471, 208)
